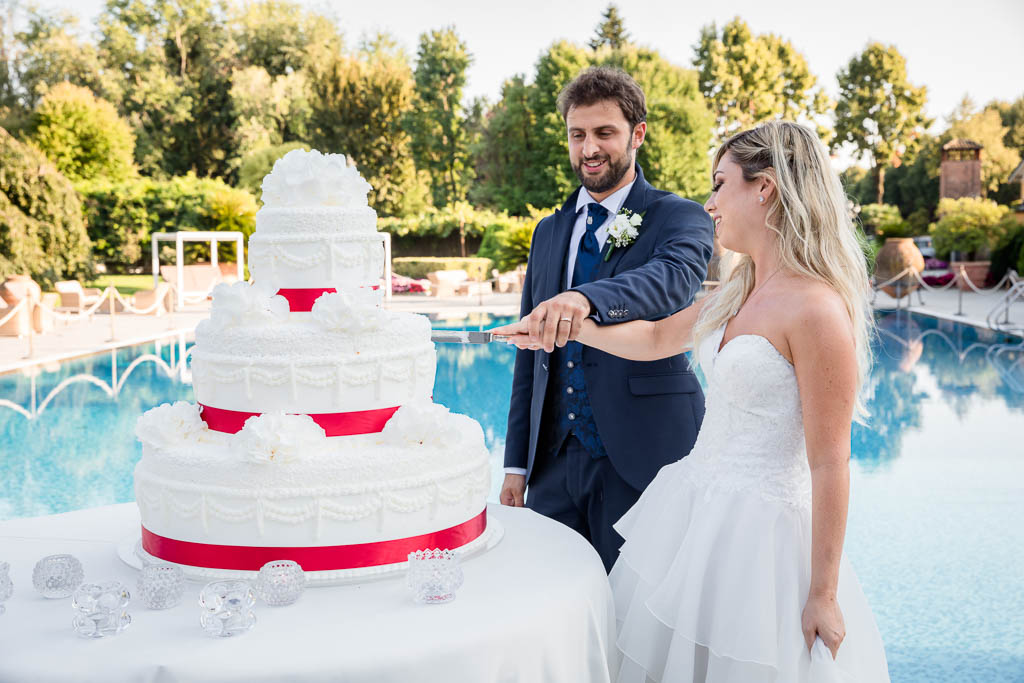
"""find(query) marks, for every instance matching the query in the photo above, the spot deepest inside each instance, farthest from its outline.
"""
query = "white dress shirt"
(613, 203)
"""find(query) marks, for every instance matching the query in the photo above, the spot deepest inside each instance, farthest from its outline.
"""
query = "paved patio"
(82, 337)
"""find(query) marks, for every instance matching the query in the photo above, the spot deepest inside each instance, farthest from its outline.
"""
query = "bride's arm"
(824, 357)
(636, 340)
(643, 339)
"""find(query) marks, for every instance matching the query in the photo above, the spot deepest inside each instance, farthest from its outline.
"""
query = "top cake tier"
(315, 229)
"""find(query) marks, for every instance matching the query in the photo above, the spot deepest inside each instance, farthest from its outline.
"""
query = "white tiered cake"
(313, 436)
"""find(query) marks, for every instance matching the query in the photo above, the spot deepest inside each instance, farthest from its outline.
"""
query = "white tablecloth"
(537, 607)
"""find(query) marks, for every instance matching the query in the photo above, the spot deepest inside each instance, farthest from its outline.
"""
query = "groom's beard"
(614, 172)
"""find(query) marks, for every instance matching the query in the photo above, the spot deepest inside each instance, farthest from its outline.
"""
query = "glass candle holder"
(226, 608)
(434, 576)
(101, 609)
(6, 587)
(161, 585)
(57, 576)
(280, 582)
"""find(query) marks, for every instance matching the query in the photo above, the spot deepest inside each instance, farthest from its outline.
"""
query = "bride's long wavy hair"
(815, 236)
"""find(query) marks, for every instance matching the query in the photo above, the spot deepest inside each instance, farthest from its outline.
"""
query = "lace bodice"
(752, 436)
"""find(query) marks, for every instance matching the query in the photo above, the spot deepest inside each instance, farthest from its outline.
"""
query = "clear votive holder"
(6, 587)
(161, 585)
(101, 609)
(226, 608)
(280, 582)
(434, 575)
(57, 576)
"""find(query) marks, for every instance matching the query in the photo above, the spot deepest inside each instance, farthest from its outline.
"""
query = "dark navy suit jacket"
(647, 413)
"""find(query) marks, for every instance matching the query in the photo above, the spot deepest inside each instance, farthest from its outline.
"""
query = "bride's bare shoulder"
(814, 313)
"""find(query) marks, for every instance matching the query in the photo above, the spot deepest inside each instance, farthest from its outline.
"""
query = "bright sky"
(955, 48)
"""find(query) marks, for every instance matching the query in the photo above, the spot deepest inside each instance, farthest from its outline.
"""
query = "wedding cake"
(313, 436)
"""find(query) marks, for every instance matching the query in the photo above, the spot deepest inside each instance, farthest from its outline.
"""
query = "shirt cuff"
(516, 470)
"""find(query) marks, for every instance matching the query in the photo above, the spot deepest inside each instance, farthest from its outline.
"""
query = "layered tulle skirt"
(711, 584)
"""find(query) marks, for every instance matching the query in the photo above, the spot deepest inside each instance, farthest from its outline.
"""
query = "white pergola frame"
(179, 239)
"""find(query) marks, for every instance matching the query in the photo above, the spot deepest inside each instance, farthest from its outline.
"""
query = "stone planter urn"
(17, 287)
(976, 272)
(895, 256)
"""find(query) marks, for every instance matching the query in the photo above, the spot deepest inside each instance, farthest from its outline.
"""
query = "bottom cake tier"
(351, 505)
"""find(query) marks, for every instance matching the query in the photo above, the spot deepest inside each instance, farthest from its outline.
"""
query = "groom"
(588, 431)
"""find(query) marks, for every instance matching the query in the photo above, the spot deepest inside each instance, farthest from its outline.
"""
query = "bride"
(732, 568)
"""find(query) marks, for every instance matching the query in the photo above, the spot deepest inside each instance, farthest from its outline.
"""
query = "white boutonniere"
(623, 229)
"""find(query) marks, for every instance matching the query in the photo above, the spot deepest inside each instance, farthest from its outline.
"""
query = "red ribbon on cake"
(334, 424)
(302, 300)
(311, 559)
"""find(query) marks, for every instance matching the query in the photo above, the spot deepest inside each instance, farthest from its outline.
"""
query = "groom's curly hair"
(599, 83)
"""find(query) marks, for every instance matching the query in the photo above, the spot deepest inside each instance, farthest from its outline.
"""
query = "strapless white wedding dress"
(712, 579)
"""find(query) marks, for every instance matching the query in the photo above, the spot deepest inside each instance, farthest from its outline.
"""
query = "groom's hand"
(558, 320)
(513, 490)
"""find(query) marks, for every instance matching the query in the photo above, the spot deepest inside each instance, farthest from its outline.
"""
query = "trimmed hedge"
(418, 266)
(122, 215)
(41, 229)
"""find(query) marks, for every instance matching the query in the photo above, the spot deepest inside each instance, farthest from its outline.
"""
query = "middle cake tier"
(299, 366)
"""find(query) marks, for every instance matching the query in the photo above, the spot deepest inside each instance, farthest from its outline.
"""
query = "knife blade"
(462, 337)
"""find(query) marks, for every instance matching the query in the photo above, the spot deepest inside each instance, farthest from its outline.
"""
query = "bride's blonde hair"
(815, 236)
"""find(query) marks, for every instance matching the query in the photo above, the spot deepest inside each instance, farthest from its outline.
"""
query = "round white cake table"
(536, 608)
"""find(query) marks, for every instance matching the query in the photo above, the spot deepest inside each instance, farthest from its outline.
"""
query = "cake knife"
(463, 337)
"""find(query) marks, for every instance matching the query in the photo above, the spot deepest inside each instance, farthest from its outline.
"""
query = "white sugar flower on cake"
(170, 424)
(349, 311)
(241, 302)
(279, 438)
(302, 178)
(422, 422)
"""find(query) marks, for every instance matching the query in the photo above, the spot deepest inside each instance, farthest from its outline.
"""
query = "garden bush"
(508, 244)
(42, 232)
(418, 266)
(122, 215)
(874, 216)
(970, 226)
(1009, 253)
(82, 134)
(898, 228)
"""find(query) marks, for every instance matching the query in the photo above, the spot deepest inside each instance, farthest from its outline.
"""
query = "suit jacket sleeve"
(517, 436)
(670, 279)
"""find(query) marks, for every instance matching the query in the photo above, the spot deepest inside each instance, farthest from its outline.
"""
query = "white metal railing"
(110, 296)
(917, 285)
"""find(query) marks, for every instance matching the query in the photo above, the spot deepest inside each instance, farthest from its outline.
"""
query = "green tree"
(283, 37)
(611, 31)
(256, 165)
(177, 58)
(41, 228)
(1012, 115)
(879, 111)
(986, 128)
(438, 122)
(51, 51)
(359, 106)
(747, 79)
(82, 134)
(269, 110)
(523, 155)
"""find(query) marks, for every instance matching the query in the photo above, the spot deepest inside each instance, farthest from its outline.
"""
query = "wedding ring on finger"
(565, 320)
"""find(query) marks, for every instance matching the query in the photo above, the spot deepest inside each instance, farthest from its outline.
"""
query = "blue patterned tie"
(588, 256)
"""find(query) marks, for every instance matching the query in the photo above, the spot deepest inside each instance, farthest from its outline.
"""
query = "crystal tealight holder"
(161, 585)
(226, 608)
(434, 575)
(101, 609)
(280, 582)
(6, 587)
(57, 576)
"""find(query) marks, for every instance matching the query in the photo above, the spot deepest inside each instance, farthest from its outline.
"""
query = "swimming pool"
(937, 475)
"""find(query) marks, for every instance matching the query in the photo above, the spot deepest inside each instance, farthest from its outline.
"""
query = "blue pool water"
(935, 528)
